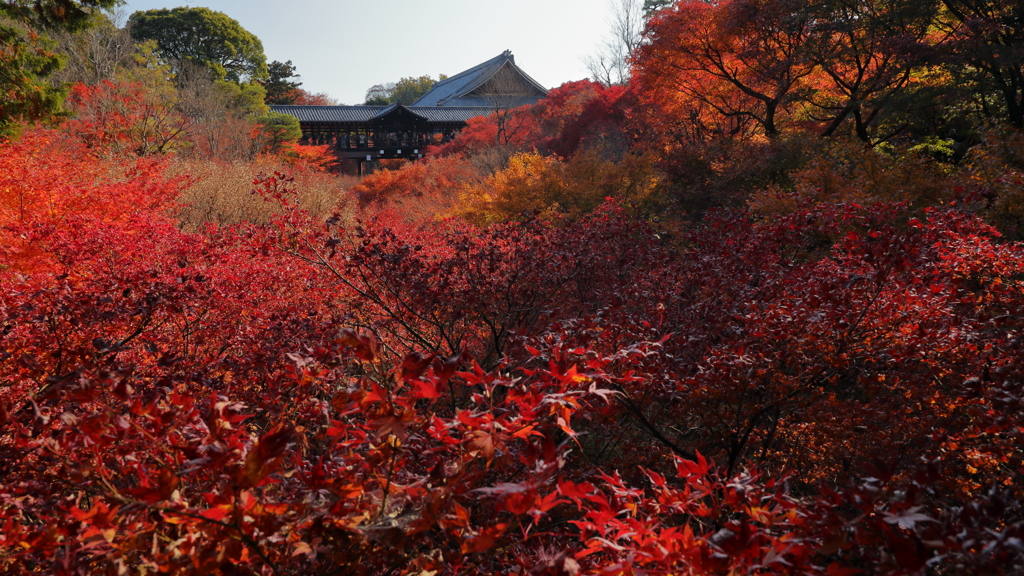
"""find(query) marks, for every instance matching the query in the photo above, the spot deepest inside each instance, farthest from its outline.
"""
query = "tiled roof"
(475, 101)
(455, 91)
(344, 114)
(392, 108)
(449, 101)
(452, 113)
(330, 113)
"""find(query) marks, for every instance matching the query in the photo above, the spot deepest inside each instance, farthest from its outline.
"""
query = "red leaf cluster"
(833, 392)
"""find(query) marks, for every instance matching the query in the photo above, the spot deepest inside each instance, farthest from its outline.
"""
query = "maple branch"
(635, 410)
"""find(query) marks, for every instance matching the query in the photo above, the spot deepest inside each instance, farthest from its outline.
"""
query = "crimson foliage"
(836, 392)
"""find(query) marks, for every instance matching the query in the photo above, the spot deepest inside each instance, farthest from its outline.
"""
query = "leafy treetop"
(652, 6)
(27, 59)
(55, 14)
(279, 130)
(280, 89)
(206, 36)
(405, 91)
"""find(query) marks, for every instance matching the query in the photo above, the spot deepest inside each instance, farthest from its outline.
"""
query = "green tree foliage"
(23, 93)
(246, 99)
(27, 58)
(986, 49)
(205, 36)
(278, 130)
(652, 6)
(280, 89)
(380, 94)
(54, 14)
(405, 91)
(409, 90)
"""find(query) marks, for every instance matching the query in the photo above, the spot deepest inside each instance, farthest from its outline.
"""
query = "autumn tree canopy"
(986, 47)
(28, 58)
(769, 66)
(759, 311)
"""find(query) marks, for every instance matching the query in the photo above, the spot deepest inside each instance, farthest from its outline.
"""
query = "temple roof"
(395, 108)
(458, 90)
(334, 114)
(496, 83)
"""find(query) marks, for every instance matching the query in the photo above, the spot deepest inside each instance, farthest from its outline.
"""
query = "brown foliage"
(221, 193)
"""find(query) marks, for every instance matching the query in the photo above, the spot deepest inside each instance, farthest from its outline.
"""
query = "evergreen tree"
(281, 90)
(652, 6)
(28, 57)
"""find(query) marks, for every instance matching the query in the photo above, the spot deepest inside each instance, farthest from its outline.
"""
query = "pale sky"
(342, 47)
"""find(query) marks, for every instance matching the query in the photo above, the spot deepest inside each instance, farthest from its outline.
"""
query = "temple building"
(370, 133)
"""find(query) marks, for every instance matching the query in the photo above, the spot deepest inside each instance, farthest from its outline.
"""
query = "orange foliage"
(304, 98)
(557, 188)
(742, 68)
(987, 181)
(318, 158)
(425, 189)
(851, 173)
(127, 117)
(726, 68)
(47, 179)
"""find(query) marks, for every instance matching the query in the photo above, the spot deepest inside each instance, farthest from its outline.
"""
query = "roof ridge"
(443, 91)
(506, 55)
(308, 106)
(480, 83)
(396, 106)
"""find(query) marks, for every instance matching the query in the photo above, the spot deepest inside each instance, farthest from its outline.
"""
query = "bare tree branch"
(610, 64)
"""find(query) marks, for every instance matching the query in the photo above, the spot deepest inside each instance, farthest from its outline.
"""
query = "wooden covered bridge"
(371, 133)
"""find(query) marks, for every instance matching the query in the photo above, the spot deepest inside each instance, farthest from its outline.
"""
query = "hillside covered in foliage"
(757, 309)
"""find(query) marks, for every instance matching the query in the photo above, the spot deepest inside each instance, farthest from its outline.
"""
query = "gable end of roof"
(463, 83)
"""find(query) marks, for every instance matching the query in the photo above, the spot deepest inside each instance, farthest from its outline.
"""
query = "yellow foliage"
(989, 181)
(569, 189)
(853, 173)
